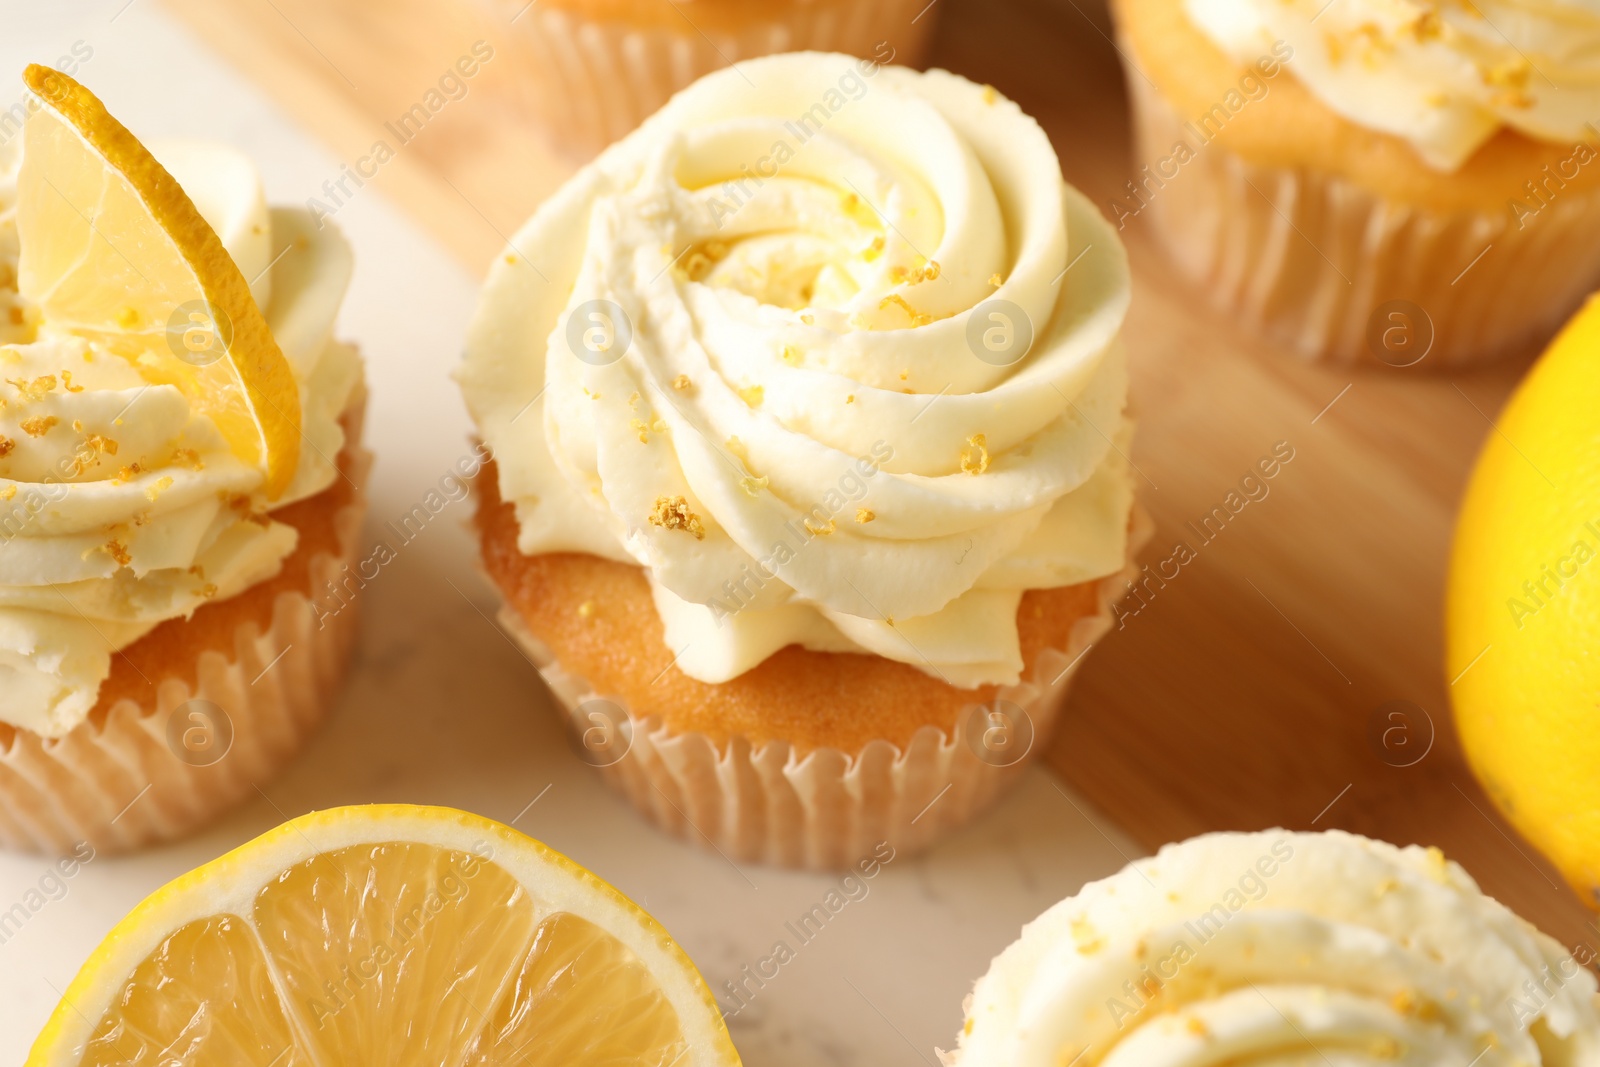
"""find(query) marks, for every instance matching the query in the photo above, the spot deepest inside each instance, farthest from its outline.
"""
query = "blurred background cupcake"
(811, 486)
(180, 481)
(1372, 181)
(591, 70)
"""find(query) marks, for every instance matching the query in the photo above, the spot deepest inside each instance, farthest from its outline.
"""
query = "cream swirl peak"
(1277, 948)
(1445, 76)
(121, 506)
(831, 350)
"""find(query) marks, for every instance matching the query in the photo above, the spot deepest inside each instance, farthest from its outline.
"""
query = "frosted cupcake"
(1368, 180)
(180, 473)
(1280, 948)
(592, 70)
(811, 486)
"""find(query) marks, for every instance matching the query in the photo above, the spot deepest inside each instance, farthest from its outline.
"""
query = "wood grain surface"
(1251, 690)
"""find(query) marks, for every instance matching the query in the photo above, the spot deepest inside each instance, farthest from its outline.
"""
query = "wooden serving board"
(1250, 690)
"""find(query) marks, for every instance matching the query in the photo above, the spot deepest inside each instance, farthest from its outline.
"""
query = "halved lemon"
(388, 934)
(113, 250)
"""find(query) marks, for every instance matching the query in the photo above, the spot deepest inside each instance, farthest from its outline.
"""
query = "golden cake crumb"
(6, 445)
(119, 552)
(850, 398)
(1086, 937)
(681, 382)
(820, 531)
(873, 250)
(865, 515)
(672, 513)
(753, 485)
(160, 486)
(35, 390)
(995, 280)
(791, 354)
(66, 380)
(753, 395)
(975, 457)
(808, 319)
(39, 425)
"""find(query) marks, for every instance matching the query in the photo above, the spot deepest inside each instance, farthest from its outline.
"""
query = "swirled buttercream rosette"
(1277, 948)
(829, 353)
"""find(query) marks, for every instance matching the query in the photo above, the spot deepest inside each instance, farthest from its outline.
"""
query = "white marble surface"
(443, 710)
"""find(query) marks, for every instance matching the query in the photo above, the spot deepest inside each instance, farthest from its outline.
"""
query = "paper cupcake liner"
(588, 82)
(1336, 273)
(122, 784)
(827, 808)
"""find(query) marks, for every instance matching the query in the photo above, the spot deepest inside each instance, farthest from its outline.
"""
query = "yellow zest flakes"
(633, 401)
(160, 486)
(821, 531)
(1427, 26)
(859, 211)
(736, 446)
(672, 513)
(682, 382)
(808, 318)
(6, 445)
(917, 317)
(1335, 47)
(35, 390)
(119, 552)
(77, 425)
(639, 427)
(850, 398)
(591, 396)
(752, 485)
(1086, 937)
(990, 95)
(697, 266)
(865, 515)
(873, 250)
(975, 457)
(1512, 74)
(790, 354)
(753, 395)
(586, 609)
(189, 458)
(66, 380)
(128, 318)
(925, 272)
(130, 472)
(995, 280)
(39, 425)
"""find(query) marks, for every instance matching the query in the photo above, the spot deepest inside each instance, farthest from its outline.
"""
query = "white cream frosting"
(770, 237)
(1444, 76)
(1276, 948)
(98, 547)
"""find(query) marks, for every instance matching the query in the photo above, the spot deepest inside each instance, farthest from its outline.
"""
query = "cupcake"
(592, 70)
(180, 477)
(1371, 181)
(810, 485)
(1283, 948)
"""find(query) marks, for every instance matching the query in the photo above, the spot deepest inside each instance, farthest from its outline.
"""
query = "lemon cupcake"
(810, 486)
(591, 70)
(1276, 948)
(1370, 181)
(180, 472)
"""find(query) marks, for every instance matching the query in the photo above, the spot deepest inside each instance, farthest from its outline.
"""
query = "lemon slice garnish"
(114, 251)
(389, 934)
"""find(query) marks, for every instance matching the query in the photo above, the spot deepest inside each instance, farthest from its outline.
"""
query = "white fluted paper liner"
(120, 786)
(590, 81)
(827, 808)
(1310, 260)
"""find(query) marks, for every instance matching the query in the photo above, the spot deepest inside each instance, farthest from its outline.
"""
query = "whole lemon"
(1522, 614)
